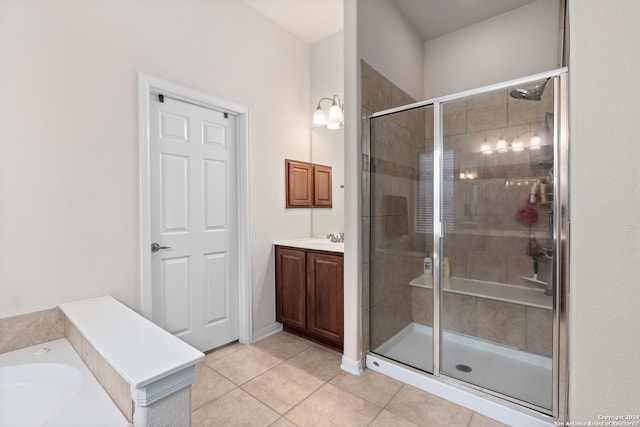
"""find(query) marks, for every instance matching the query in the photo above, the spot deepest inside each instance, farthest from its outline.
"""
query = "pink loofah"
(526, 215)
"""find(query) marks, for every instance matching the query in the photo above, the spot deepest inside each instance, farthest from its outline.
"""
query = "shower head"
(534, 94)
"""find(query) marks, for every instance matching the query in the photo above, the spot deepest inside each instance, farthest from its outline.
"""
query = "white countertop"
(139, 350)
(314, 243)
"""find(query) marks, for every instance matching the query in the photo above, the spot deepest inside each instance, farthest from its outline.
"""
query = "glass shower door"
(497, 263)
(401, 237)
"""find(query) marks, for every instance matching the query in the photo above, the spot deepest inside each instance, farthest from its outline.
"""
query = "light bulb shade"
(501, 145)
(319, 118)
(535, 142)
(517, 145)
(335, 113)
(333, 125)
(486, 149)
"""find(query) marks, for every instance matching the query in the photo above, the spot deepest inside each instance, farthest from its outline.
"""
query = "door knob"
(155, 247)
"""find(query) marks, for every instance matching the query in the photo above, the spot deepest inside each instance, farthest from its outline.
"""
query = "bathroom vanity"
(309, 289)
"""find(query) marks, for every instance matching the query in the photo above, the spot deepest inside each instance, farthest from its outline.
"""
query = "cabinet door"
(325, 297)
(299, 184)
(290, 287)
(322, 186)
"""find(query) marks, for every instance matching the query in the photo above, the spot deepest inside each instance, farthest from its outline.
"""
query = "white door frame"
(148, 85)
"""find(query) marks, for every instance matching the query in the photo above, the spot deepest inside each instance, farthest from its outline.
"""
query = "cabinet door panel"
(290, 287)
(299, 184)
(322, 186)
(325, 317)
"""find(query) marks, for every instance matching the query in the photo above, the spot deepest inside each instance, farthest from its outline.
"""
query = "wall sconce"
(501, 145)
(336, 113)
(535, 142)
(504, 145)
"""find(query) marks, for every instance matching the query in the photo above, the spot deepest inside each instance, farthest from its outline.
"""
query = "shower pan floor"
(512, 372)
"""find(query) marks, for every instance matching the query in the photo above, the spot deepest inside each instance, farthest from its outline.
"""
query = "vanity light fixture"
(504, 145)
(336, 113)
(501, 145)
(517, 144)
(485, 147)
(535, 142)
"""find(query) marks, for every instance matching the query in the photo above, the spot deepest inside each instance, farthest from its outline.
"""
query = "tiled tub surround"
(30, 329)
(121, 349)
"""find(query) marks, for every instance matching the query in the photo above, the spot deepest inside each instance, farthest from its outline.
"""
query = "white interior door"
(194, 267)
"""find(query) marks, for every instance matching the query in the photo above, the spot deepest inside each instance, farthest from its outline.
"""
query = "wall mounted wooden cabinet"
(307, 185)
(309, 294)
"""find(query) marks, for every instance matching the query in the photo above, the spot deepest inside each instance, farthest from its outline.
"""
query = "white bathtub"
(48, 385)
(515, 294)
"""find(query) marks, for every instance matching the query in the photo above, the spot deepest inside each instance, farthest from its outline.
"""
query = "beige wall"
(605, 201)
(69, 135)
(517, 43)
(390, 45)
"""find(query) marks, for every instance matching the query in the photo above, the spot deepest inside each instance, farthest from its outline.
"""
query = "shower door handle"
(155, 247)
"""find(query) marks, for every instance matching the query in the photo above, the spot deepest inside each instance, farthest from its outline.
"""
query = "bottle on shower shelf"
(427, 266)
(533, 196)
(543, 191)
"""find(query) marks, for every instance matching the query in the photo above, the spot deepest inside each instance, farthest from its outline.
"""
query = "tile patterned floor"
(286, 381)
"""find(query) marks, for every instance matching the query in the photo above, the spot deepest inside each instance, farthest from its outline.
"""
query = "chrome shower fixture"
(534, 94)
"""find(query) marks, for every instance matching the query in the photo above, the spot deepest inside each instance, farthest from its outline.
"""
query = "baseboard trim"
(351, 366)
(267, 331)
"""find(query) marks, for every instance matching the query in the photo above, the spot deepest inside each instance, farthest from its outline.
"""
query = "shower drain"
(463, 368)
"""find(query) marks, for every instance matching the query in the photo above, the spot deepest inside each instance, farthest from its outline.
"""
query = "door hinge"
(226, 115)
(160, 97)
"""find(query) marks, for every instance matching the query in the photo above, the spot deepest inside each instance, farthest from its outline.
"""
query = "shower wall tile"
(454, 117)
(540, 331)
(457, 261)
(523, 112)
(406, 268)
(412, 120)
(380, 188)
(459, 313)
(487, 111)
(381, 281)
(506, 244)
(389, 317)
(501, 322)
(422, 305)
(25, 330)
(489, 266)
(495, 198)
(376, 90)
(465, 241)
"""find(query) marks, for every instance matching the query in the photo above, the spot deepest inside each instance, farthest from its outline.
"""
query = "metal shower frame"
(561, 231)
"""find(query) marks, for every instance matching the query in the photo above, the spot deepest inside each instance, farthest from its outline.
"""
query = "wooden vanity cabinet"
(309, 294)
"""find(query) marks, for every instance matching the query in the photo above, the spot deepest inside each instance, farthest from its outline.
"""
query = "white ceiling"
(313, 20)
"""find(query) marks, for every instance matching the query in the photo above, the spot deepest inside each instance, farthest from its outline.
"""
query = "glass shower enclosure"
(468, 238)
